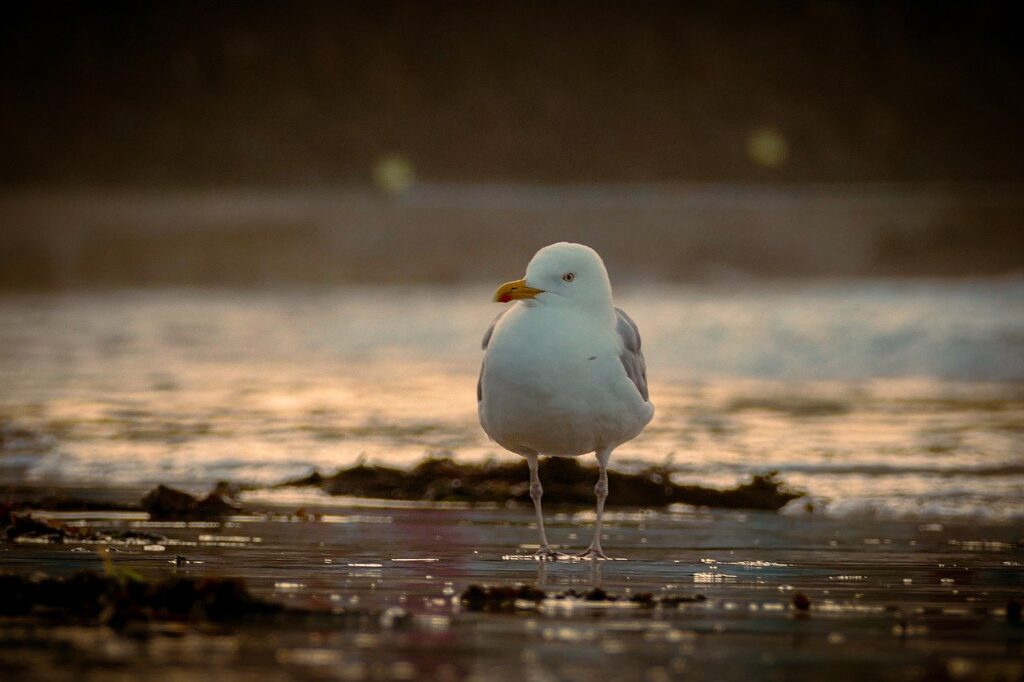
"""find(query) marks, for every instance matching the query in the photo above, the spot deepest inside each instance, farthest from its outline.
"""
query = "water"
(882, 399)
(894, 601)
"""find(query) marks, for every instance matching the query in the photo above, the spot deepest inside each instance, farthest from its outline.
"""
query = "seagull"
(562, 374)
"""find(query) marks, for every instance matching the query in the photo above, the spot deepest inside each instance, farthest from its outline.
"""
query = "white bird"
(562, 373)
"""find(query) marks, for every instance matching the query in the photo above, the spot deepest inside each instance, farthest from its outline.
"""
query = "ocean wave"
(893, 508)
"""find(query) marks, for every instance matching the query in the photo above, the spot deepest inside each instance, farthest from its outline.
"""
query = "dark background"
(180, 142)
(191, 93)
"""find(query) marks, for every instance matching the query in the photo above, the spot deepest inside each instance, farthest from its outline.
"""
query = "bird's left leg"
(545, 553)
(601, 491)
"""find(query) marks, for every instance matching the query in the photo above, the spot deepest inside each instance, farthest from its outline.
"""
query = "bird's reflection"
(542, 575)
(593, 573)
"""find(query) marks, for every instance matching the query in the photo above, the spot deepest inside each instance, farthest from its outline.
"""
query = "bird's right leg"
(545, 553)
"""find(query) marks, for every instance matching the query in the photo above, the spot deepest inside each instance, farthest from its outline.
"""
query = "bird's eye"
(568, 277)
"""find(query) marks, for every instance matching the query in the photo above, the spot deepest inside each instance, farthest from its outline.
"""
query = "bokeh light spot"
(393, 174)
(767, 147)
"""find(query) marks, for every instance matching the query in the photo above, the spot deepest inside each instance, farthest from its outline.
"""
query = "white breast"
(553, 384)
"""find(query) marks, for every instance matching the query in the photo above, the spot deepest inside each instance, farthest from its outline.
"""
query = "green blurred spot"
(767, 147)
(393, 174)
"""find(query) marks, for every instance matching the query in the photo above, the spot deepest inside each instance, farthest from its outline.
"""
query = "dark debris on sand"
(25, 527)
(506, 598)
(162, 503)
(95, 599)
(62, 502)
(566, 481)
(168, 504)
(125, 601)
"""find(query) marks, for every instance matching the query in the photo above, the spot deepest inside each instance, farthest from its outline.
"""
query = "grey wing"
(483, 345)
(631, 357)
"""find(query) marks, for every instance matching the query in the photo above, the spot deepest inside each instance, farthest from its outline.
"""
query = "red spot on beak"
(505, 298)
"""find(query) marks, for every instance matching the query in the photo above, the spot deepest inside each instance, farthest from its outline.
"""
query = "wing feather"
(483, 345)
(632, 358)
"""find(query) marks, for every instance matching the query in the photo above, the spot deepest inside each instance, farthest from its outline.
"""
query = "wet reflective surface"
(899, 600)
(898, 408)
(880, 399)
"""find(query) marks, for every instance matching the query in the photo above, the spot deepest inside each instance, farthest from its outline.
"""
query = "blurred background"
(258, 143)
(243, 239)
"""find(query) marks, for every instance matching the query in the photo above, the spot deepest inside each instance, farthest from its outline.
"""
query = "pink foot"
(594, 554)
(545, 553)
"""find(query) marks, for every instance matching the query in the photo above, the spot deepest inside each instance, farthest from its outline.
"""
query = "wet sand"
(888, 600)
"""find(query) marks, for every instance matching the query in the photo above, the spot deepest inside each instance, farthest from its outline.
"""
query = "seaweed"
(61, 502)
(565, 480)
(24, 527)
(163, 503)
(168, 504)
(508, 599)
(499, 597)
(27, 526)
(116, 600)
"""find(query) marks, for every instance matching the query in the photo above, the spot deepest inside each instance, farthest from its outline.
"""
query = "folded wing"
(631, 357)
(483, 344)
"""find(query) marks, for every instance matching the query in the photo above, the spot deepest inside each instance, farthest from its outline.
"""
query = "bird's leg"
(545, 553)
(601, 491)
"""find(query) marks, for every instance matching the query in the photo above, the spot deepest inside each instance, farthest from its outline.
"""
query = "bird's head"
(560, 274)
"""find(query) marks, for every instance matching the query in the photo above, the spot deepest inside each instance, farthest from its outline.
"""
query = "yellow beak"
(513, 291)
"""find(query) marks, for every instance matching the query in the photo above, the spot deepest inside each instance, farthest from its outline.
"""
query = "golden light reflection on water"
(192, 387)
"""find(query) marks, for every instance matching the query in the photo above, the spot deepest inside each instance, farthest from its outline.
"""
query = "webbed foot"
(594, 554)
